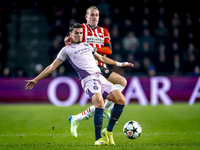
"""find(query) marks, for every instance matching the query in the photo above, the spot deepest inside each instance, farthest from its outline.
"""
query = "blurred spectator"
(38, 69)
(174, 49)
(6, 72)
(137, 65)
(196, 72)
(20, 73)
(130, 39)
(191, 49)
(117, 16)
(73, 12)
(146, 63)
(147, 37)
(161, 32)
(161, 13)
(175, 22)
(61, 71)
(115, 35)
(175, 35)
(146, 13)
(145, 50)
(145, 23)
(127, 27)
(190, 38)
(71, 21)
(190, 63)
(161, 49)
(133, 49)
(151, 71)
(107, 23)
(56, 45)
(162, 67)
(176, 65)
(161, 29)
(104, 9)
(188, 22)
(117, 49)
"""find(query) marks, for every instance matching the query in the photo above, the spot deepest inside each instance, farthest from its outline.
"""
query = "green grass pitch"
(46, 126)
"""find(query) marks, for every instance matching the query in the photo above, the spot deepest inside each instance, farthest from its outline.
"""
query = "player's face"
(92, 17)
(77, 35)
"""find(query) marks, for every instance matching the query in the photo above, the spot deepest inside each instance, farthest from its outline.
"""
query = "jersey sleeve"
(62, 55)
(91, 49)
(107, 49)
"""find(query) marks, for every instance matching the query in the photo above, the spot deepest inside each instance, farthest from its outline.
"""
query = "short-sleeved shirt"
(81, 58)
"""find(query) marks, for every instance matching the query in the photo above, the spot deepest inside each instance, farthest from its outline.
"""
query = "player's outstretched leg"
(109, 104)
(116, 111)
(75, 119)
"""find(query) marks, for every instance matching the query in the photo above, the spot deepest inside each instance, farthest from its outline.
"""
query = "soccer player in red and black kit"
(97, 37)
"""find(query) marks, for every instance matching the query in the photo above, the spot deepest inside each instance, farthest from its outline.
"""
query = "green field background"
(46, 127)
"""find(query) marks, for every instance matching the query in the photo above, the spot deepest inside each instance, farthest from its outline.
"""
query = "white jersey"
(81, 58)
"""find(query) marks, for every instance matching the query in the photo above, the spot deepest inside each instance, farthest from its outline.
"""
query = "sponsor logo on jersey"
(95, 40)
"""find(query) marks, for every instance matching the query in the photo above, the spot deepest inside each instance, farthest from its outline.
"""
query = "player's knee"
(121, 101)
(99, 105)
(122, 81)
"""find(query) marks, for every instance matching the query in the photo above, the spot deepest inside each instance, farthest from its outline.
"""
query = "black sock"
(98, 120)
(115, 114)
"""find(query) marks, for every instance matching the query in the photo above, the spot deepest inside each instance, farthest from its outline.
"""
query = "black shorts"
(106, 72)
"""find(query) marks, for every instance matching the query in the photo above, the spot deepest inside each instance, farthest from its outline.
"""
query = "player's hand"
(30, 84)
(68, 40)
(127, 64)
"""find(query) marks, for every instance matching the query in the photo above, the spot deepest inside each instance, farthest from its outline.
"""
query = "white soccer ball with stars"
(132, 129)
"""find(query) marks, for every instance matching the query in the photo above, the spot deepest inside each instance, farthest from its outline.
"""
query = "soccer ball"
(132, 129)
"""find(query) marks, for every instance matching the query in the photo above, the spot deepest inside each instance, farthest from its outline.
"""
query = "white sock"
(119, 87)
(85, 114)
(109, 104)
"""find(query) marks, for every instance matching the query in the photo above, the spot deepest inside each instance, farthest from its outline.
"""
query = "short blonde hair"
(91, 7)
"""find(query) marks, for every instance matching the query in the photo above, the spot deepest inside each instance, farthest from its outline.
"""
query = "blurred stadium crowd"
(161, 37)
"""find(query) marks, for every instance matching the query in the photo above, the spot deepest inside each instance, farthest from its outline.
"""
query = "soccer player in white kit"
(82, 57)
(100, 38)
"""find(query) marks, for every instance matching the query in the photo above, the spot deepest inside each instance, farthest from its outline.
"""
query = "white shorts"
(96, 83)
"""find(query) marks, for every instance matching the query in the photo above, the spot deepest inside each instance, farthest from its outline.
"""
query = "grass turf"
(46, 127)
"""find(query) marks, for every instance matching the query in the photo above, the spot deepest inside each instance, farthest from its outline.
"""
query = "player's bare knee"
(121, 101)
(122, 81)
(99, 105)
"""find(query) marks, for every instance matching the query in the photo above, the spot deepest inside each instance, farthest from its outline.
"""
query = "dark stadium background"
(161, 37)
(32, 32)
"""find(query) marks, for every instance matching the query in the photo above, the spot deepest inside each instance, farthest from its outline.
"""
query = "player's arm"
(109, 61)
(48, 70)
(107, 49)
